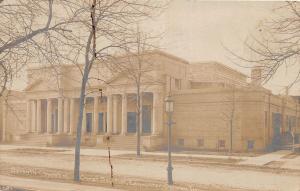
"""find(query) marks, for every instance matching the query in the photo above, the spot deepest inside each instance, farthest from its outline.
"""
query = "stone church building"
(215, 108)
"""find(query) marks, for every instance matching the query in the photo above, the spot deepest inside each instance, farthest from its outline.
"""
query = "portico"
(111, 114)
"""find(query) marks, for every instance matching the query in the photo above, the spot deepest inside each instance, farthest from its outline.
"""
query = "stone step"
(31, 143)
(32, 139)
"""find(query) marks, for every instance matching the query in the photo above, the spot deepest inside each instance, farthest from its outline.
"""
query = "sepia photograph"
(149, 95)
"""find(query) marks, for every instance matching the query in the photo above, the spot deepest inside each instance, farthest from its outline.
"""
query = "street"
(232, 176)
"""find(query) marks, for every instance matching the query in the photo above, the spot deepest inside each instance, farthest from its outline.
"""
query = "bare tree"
(137, 67)
(275, 43)
(228, 115)
(106, 23)
(31, 32)
(66, 31)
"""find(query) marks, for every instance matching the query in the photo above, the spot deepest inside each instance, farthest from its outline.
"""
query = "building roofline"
(153, 52)
(166, 54)
(219, 64)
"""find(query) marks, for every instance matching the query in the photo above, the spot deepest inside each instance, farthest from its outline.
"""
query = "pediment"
(41, 85)
(119, 79)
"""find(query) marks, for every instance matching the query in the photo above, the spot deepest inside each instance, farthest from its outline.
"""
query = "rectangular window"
(178, 84)
(89, 122)
(131, 122)
(200, 142)
(250, 144)
(222, 143)
(180, 142)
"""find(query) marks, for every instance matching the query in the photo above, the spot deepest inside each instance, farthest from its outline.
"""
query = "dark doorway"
(89, 122)
(131, 122)
(100, 122)
(54, 121)
(146, 115)
(276, 119)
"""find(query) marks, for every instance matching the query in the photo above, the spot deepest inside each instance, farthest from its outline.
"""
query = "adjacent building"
(215, 108)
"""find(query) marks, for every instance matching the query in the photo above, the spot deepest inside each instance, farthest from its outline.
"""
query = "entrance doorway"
(131, 122)
(146, 117)
(276, 119)
(100, 122)
(54, 121)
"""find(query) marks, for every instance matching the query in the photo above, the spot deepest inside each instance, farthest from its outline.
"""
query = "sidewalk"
(33, 184)
(266, 158)
(156, 170)
(260, 160)
(278, 158)
(103, 152)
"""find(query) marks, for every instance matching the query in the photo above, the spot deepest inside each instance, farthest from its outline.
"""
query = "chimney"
(256, 76)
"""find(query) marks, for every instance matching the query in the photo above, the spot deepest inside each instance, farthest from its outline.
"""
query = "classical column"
(66, 115)
(33, 116)
(28, 116)
(72, 116)
(96, 117)
(124, 114)
(39, 115)
(115, 114)
(49, 116)
(109, 114)
(157, 113)
(60, 115)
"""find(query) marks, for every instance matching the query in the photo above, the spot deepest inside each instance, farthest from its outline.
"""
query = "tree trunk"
(87, 69)
(138, 118)
(79, 126)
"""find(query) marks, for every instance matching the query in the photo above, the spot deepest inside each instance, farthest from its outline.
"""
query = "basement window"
(200, 142)
(180, 142)
(222, 143)
(250, 144)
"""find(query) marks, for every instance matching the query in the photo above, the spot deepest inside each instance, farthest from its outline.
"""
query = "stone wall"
(203, 117)
(13, 116)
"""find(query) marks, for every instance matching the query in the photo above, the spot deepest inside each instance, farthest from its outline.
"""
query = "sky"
(198, 30)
